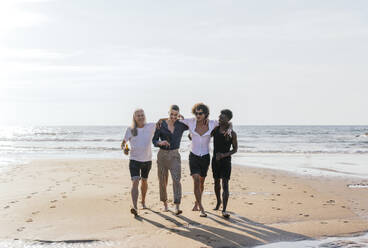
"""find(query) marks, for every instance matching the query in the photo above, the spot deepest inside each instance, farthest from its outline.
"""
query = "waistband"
(203, 156)
(167, 151)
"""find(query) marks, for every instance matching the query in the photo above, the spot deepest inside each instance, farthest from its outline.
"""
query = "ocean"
(315, 150)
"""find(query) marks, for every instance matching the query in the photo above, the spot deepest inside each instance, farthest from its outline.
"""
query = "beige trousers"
(169, 160)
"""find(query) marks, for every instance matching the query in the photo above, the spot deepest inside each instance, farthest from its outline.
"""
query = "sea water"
(318, 150)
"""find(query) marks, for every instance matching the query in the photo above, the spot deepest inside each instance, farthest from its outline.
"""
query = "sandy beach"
(82, 201)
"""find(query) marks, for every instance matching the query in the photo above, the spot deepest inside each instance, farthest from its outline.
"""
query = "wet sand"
(88, 202)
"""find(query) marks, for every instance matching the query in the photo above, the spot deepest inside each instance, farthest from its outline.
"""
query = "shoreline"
(44, 198)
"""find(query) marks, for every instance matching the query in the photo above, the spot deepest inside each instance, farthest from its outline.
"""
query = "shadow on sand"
(237, 231)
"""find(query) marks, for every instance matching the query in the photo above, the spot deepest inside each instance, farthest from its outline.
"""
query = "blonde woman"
(139, 135)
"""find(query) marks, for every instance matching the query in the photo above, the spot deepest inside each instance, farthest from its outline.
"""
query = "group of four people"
(167, 134)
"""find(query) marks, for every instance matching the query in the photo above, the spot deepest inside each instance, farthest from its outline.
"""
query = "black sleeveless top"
(221, 143)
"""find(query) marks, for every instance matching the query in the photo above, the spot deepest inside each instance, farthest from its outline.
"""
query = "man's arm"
(159, 122)
(156, 138)
(234, 146)
(185, 121)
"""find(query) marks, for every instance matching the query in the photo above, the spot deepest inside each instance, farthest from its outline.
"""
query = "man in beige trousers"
(168, 138)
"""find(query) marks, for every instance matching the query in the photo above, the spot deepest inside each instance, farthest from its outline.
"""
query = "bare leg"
(144, 187)
(195, 178)
(225, 196)
(198, 193)
(135, 193)
(202, 179)
(218, 193)
(201, 188)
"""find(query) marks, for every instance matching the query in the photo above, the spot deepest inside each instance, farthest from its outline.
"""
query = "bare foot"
(195, 208)
(217, 206)
(225, 214)
(134, 211)
(166, 208)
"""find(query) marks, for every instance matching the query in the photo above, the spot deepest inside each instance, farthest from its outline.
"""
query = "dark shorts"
(221, 168)
(199, 165)
(139, 169)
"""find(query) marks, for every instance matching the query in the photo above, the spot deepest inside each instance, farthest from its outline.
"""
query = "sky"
(92, 62)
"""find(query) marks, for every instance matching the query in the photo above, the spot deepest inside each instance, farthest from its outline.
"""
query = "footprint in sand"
(29, 220)
(306, 215)
(64, 196)
(323, 222)
(7, 206)
(52, 206)
(53, 201)
(36, 212)
(21, 229)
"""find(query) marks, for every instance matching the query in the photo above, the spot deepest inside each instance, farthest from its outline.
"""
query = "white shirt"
(200, 144)
(141, 145)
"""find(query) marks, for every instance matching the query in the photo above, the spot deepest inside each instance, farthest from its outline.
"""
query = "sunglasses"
(199, 113)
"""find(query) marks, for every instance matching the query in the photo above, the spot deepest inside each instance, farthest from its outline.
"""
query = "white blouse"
(200, 144)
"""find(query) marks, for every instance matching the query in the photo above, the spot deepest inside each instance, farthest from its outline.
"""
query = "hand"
(181, 117)
(158, 124)
(219, 156)
(229, 131)
(164, 143)
(126, 151)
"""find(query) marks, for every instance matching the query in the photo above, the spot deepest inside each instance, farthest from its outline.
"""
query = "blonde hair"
(133, 128)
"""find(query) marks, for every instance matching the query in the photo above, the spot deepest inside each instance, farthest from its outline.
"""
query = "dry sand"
(84, 200)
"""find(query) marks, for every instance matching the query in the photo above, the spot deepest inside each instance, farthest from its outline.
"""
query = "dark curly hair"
(203, 107)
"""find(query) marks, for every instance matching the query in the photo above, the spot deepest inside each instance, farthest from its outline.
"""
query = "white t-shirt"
(200, 144)
(141, 145)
